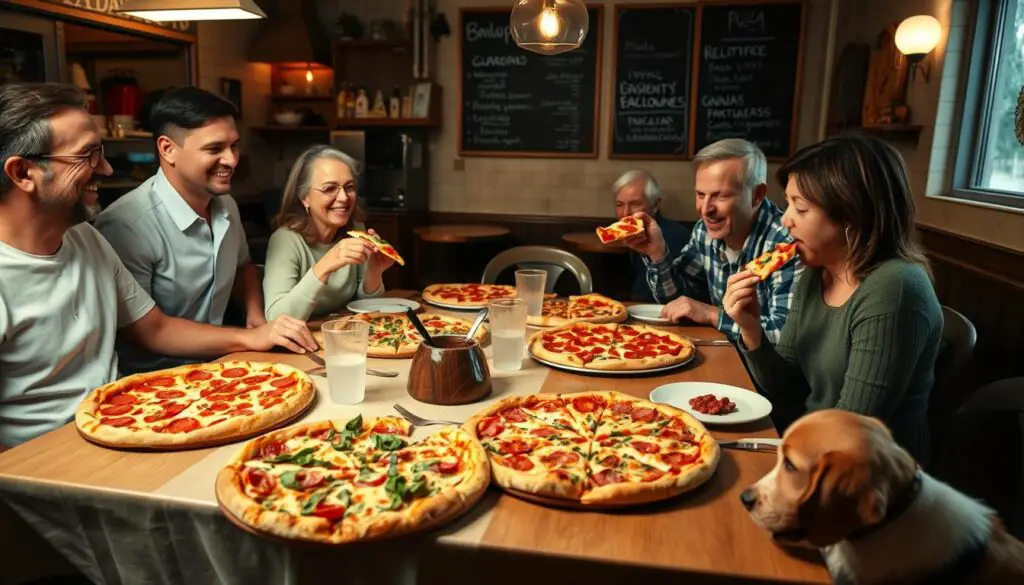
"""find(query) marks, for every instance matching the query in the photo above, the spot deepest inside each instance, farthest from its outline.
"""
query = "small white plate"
(750, 405)
(591, 372)
(648, 313)
(382, 305)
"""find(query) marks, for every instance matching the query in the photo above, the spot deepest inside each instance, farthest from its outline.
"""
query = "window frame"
(989, 35)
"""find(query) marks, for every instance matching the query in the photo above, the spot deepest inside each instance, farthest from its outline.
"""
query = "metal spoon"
(476, 324)
(411, 314)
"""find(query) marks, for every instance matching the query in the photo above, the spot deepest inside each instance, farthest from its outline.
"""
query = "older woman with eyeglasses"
(310, 272)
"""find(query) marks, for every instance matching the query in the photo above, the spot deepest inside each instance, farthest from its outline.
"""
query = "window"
(990, 161)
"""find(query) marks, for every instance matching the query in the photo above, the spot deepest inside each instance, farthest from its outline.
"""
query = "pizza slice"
(596, 308)
(382, 245)
(770, 261)
(553, 312)
(587, 408)
(620, 230)
(553, 470)
(627, 416)
(552, 410)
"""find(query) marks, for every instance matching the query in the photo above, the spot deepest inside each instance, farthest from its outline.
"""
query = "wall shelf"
(301, 97)
(282, 128)
(385, 122)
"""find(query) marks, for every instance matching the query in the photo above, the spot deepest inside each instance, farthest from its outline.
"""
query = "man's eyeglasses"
(331, 189)
(93, 157)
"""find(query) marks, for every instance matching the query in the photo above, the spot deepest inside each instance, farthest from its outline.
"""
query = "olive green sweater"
(874, 355)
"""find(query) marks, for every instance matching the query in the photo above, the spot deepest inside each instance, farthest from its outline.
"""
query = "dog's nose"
(748, 498)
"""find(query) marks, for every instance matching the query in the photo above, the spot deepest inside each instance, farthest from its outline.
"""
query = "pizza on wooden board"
(469, 296)
(593, 308)
(350, 480)
(610, 346)
(392, 335)
(382, 245)
(193, 405)
(594, 448)
(770, 261)
(620, 230)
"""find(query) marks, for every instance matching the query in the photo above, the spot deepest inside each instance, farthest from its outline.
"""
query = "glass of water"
(508, 332)
(345, 344)
(530, 284)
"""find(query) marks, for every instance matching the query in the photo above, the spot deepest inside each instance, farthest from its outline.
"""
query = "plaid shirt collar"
(767, 215)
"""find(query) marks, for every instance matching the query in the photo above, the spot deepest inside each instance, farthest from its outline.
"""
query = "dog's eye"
(788, 464)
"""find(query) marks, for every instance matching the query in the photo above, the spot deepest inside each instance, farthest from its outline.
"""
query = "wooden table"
(460, 233)
(589, 242)
(702, 536)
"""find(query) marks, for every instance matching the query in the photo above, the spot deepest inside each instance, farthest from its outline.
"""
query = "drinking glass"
(345, 343)
(508, 332)
(530, 284)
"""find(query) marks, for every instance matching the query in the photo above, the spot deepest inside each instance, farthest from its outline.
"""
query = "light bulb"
(309, 75)
(550, 27)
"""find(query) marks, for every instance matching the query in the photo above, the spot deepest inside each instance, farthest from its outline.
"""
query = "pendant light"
(175, 10)
(549, 27)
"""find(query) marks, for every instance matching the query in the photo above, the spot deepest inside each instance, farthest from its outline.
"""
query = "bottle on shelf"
(342, 105)
(380, 109)
(350, 102)
(362, 104)
(395, 109)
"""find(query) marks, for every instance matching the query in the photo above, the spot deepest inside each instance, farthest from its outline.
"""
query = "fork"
(418, 421)
(753, 444)
(712, 342)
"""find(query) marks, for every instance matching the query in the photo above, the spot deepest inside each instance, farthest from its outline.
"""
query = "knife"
(753, 444)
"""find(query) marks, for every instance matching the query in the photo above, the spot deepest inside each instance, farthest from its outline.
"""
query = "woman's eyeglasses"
(332, 189)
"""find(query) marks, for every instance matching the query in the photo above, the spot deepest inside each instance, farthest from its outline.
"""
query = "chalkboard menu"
(517, 103)
(749, 63)
(653, 53)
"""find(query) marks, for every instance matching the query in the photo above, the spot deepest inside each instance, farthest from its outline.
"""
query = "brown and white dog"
(842, 484)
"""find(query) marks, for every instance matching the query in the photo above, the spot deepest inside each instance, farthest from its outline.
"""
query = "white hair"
(652, 192)
(733, 148)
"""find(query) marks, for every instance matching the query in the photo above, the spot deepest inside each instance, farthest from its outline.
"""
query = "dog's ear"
(839, 498)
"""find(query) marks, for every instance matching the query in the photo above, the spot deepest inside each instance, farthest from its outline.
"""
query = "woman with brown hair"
(864, 328)
(309, 271)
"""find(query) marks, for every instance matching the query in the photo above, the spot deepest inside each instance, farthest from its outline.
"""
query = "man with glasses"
(180, 233)
(64, 294)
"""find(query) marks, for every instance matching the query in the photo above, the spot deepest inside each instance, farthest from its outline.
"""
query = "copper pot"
(452, 371)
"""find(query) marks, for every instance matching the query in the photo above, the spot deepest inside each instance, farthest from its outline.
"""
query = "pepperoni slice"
(544, 432)
(255, 379)
(652, 475)
(331, 513)
(606, 477)
(373, 482)
(610, 461)
(643, 414)
(242, 412)
(584, 404)
(515, 415)
(447, 468)
(198, 375)
(234, 373)
(515, 446)
(117, 422)
(387, 429)
(622, 408)
(677, 459)
(670, 434)
(261, 482)
(116, 410)
(560, 458)
(308, 480)
(270, 402)
(121, 398)
(219, 406)
(284, 382)
(169, 411)
(645, 447)
(165, 394)
(519, 462)
(490, 427)
(272, 449)
(162, 381)
(182, 425)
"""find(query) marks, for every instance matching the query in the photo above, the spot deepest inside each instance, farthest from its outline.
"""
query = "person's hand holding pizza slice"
(650, 242)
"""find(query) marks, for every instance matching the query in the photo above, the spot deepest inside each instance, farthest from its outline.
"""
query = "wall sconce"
(915, 38)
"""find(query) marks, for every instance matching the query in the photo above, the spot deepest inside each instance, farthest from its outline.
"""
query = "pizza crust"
(431, 295)
(88, 417)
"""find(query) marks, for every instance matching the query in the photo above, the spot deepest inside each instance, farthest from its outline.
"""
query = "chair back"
(986, 459)
(552, 260)
(955, 353)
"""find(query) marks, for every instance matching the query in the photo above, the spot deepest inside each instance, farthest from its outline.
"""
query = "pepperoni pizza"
(344, 481)
(620, 230)
(592, 308)
(392, 335)
(466, 296)
(770, 261)
(382, 245)
(594, 448)
(187, 406)
(610, 347)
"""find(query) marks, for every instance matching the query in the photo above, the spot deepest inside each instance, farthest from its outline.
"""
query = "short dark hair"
(25, 112)
(860, 181)
(188, 108)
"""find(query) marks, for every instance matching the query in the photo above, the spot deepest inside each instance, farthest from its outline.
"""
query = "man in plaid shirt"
(738, 223)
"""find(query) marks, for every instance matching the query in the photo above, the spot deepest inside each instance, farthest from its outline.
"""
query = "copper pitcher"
(452, 371)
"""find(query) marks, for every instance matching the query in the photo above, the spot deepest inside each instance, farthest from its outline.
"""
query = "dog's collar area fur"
(898, 506)
(955, 572)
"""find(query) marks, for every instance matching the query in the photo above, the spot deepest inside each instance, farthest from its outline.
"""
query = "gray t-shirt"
(59, 316)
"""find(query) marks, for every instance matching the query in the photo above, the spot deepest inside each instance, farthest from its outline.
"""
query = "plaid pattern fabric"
(702, 270)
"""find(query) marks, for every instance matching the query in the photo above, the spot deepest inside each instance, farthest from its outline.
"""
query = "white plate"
(456, 307)
(648, 313)
(750, 406)
(382, 305)
(611, 372)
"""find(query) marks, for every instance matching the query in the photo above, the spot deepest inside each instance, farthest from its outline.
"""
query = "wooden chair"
(986, 458)
(552, 260)
(955, 353)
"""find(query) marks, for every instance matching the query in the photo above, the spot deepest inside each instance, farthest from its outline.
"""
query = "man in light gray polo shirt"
(180, 233)
(64, 295)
